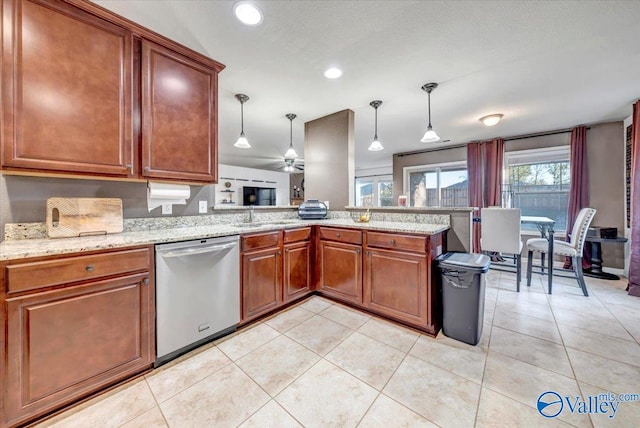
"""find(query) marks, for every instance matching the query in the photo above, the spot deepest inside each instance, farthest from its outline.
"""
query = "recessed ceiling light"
(332, 73)
(247, 13)
(491, 119)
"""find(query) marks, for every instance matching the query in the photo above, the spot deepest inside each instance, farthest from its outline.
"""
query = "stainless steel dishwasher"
(197, 294)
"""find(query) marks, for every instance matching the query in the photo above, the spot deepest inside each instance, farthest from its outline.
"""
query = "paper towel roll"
(163, 193)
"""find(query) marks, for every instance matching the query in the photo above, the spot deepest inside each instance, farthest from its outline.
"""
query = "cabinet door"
(179, 116)
(67, 343)
(261, 282)
(341, 271)
(66, 90)
(297, 270)
(395, 285)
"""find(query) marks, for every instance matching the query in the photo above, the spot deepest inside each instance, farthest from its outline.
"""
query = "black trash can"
(463, 295)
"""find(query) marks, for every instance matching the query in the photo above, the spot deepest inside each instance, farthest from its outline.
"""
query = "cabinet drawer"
(416, 244)
(341, 235)
(46, 273)
(294, 235)
(260, 240)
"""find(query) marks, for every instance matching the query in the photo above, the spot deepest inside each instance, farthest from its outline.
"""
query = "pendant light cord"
(375, 137)
(290, 132)
(242, 117)
(429, 98)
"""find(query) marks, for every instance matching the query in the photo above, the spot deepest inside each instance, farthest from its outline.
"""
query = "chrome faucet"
(251, 213)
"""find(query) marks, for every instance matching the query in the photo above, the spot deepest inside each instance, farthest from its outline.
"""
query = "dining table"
(545, 227)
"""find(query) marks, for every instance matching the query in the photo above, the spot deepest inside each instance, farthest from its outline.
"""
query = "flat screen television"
(258, 196)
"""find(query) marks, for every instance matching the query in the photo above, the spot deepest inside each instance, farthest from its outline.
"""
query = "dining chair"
(500, 233)
(572, 249)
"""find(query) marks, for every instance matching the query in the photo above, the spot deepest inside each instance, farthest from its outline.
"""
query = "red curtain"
(634, 265)
(484, 169)
(579, 189)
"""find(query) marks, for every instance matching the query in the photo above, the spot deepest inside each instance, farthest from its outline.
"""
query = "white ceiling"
(544, 65)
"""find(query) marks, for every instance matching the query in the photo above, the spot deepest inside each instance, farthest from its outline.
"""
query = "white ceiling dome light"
(247, 13)
(491, 119)
(332, 73)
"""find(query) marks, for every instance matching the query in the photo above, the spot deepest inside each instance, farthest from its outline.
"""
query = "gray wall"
(605, 157)
(23, 199)
(329, 166)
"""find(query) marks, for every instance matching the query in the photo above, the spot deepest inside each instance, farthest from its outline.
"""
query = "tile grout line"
(564, 346)
(486, 358)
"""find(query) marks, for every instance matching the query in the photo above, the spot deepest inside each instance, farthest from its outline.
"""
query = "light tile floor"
(321, 364)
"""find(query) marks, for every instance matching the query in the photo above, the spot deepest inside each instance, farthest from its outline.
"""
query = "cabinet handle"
(145, 281)
(279, 252)
(130, 168)
(337, 235)
(89, 268)
(393, 242)
(358, 250)
(369, 253)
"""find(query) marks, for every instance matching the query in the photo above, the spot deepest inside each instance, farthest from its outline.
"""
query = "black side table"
(596, 257)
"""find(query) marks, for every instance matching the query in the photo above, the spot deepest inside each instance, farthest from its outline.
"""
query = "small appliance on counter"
(312, 209)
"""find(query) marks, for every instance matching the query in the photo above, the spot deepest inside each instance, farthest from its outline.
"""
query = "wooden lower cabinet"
(395, 285)
(297, 270)
(261, 281)
(64, 344)
(341, 271)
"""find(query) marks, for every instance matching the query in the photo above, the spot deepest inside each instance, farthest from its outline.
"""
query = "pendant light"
(375, 145)
(430, 136)
(242, 142)
(291, 152)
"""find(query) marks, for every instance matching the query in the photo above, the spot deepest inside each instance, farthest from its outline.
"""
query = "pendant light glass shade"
(291, 152)
(242, 142)
(430, 136)
(376, 145)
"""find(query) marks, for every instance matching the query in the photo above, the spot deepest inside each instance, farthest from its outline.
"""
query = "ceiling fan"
(290, 165)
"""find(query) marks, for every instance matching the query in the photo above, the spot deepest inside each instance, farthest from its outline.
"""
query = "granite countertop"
(18, 249)
(396, 208)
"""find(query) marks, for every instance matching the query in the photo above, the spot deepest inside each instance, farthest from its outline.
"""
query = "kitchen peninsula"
(86, 305)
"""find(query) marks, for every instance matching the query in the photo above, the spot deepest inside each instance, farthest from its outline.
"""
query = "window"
(538, 183)
(443, 185)
(374, 191)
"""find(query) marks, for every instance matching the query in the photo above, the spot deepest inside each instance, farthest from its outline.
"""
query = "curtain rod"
(516, 137)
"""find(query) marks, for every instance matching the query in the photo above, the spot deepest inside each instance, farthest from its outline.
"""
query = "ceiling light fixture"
(491, 119)
(247, 13)
(288, 165)
(376, 145)
(242, 142)
(430, 136)
(291, 152)
(332, 73)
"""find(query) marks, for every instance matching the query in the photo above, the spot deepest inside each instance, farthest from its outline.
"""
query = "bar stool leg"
(529, 267)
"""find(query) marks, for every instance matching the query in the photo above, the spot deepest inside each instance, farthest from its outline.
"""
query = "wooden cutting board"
(67, 217)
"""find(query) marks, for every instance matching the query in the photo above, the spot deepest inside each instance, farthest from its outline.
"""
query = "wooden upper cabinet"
(179, 112)
(66, 90)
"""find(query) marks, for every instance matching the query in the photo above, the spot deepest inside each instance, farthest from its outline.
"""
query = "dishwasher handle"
(198, 250)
